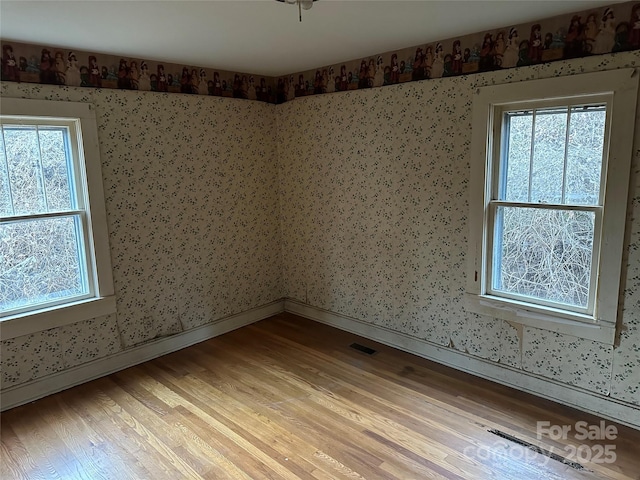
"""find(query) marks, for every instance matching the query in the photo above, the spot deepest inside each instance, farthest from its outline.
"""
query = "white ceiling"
(261, 36)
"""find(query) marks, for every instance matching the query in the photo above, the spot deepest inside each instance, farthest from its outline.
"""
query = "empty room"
(330, 239)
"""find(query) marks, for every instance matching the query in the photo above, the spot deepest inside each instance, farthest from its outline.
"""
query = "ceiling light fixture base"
(302, 5)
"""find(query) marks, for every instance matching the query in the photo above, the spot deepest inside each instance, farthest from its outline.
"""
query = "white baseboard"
(41, 387)
(581, 399)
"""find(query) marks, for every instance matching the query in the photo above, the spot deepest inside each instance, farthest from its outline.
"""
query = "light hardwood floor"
(289, 398)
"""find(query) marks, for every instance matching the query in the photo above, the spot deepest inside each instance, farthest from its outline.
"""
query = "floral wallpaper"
(374, 190)
(355, 203)
(626, 358)
(576, 361)
(594, 32)
(191, 193)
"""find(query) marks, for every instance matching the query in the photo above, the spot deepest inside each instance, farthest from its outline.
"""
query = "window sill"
(40, 320)
(574, 324)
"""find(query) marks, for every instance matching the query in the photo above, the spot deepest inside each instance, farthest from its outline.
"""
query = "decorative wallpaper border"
(597, 31)
(57, 66)
(592, 32)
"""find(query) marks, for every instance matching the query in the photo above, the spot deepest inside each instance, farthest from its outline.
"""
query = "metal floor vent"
(537, 449)
(362, 348)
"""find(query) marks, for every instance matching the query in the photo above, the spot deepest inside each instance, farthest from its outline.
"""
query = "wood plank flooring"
(288, 398)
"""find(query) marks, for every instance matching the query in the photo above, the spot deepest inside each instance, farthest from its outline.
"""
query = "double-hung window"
(54, 255)
(550, 170)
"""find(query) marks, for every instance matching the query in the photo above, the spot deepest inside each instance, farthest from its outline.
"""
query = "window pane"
(545, 254)
(548, 155)
(5, 196)
(56, 168)
(515, 185)
(40, 261)
(584, 155)
(23, 156)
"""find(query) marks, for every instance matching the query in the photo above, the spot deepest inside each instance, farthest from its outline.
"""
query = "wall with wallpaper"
(370, 222)
(375, 224)
(191, 197)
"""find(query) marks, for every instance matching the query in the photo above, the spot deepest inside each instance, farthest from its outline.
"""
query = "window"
(54, 254)
(551, 161)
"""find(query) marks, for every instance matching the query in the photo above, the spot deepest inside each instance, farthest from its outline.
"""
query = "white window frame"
(619, 89)
(81, 119)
